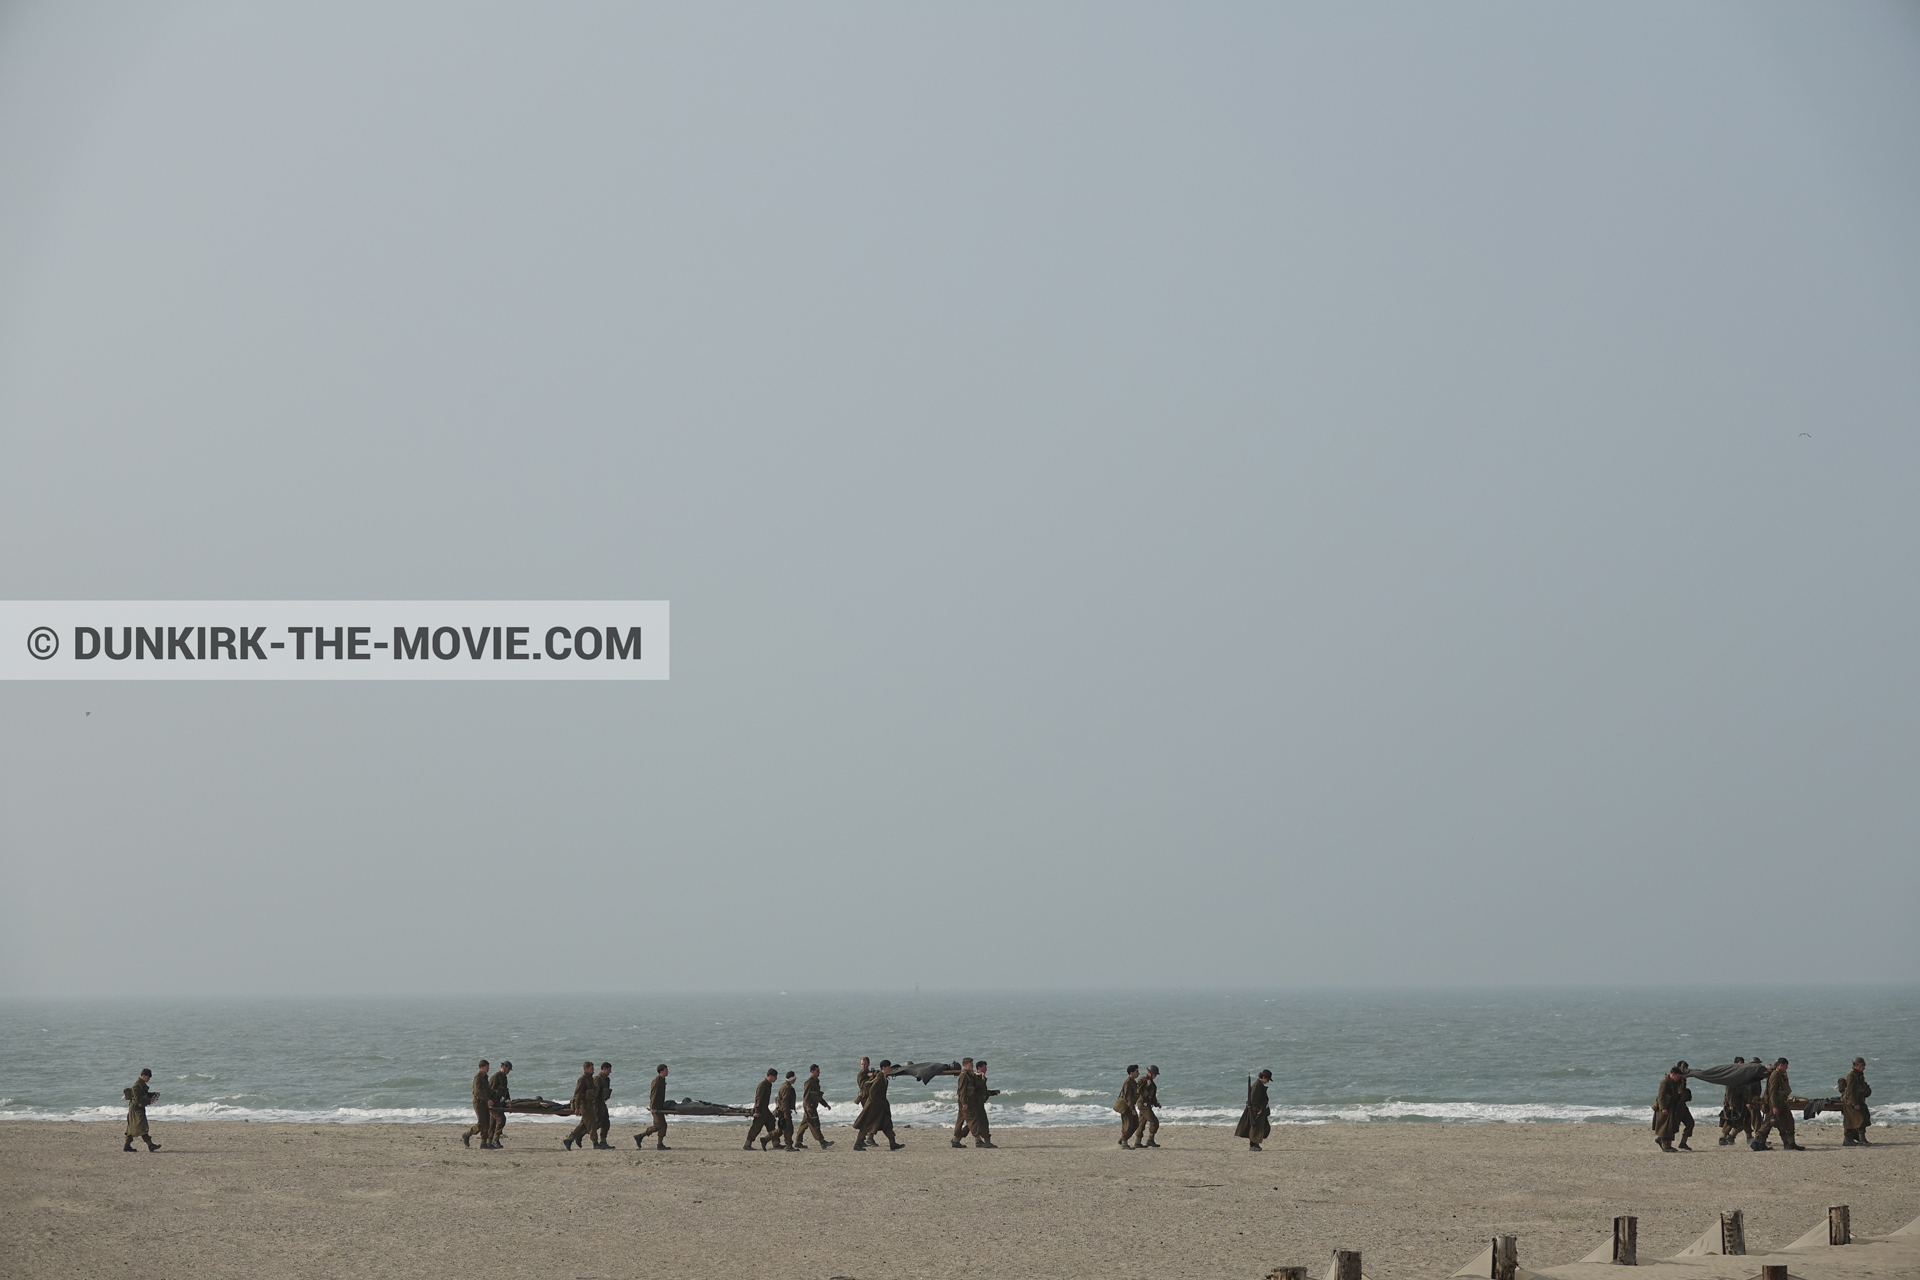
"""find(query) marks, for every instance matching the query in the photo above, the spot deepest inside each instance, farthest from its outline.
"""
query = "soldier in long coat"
(812, 1099)
(657, 1104)
(138, 1096)
(502, 1095)
(603, 1106)
(1128, 1104)
(963, 1096)
(1147, 1100)
(585, 1103)
(1256, 1122)
(1854, 1092)
(977, 1117)
(877, 1115)
(1667, 1106)
(1779, 1110)
(1734, 1116)
(783, 1105)
(482, 1109)
(763, 1121)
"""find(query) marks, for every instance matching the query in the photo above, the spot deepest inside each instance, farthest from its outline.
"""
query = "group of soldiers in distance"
(1757, 1109)
(774, 1102)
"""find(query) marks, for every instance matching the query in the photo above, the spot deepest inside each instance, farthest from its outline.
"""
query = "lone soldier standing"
(502, 1095)
(1854, 1092)
(877, 1115)
(138, 1096)
(1128, 1104)
(1667, 1106)
(963, 1096)
(603, 1112)
(657, 1104)
(1149, 1125)
(585, 1104)
(763, 1121)
(783, 1111)
(1256, 1121)
(977, 1119)
(482, 1110)
(812, 1099)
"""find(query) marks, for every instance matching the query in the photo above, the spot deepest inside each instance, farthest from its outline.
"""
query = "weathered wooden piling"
(1346, 1264)
(1733, 1234)
(1839, 1227)
(1626, 1241)
(1506, 1257)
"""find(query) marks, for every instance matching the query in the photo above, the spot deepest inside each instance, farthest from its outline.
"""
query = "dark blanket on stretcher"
(1730, 1076)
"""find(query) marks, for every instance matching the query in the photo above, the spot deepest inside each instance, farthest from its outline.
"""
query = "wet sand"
(259, 1200)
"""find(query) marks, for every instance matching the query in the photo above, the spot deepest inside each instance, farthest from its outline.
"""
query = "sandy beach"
(260, 1200)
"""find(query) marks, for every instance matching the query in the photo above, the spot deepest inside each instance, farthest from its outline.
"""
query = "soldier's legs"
(762, 1123)
(810, 1123)
(982, 1133)
(960, 1126)
(498, 1115)
(482, 1125)
(1686, 1123)
(786, 1130)
(657, 1131)
(603, 1128)
(1149, 1126)
(1663, 1128)
(1129, 1121)
(581, 1130)
(1783, 1121)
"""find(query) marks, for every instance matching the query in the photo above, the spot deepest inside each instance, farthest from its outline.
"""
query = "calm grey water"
(1586, 1055)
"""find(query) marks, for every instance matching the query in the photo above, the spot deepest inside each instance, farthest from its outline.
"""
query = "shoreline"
(246, 1198)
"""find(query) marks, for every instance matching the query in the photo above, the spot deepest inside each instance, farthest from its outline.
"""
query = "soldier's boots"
(1152, 1143)
(466, 1138)
(1791, 1146)
(152, 1145)
(956, 1142)
(566, 1144)
(1684, 1146)
(129, 1145)
(894, 1146)
(984, 1142)
(1760, 1146)
(1666, 1147)
(1861, 1138)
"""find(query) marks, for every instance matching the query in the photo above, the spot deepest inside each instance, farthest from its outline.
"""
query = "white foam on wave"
(932, 1111)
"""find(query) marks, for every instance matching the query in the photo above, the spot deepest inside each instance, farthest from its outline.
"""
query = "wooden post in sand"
(1733, 1234)
(1839, 1229)
(1773, 1271)
(1626, 1241)
(1287, 1273)
(1346, 1264)
(1506, 1257)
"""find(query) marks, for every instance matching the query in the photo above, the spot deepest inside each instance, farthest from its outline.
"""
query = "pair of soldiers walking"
(1137, 1104)
(592, 1095)
(876, 1113)
(490, 1098)
(973, 1093)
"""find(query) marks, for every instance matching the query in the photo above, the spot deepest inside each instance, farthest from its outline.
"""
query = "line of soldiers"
(1756, 1109)
(1137, 1103)
(773, 1112)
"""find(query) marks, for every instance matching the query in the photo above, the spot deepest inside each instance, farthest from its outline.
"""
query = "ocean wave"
(933, 1111)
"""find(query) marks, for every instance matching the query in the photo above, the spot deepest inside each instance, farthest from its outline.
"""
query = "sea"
(1588, 1056)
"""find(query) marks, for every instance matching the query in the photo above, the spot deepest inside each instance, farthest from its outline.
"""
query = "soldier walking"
(877, 1115)
(977, 1118)
(783, 1112)
(585, 1104)
(813, 1098)
(1854, 1092)
(482, 1109)
(1779, 1110)
(1149, 1123)
(602, 1106)
(657, 1104)
(1667, 1107)
(1735, 1118)
(1685, 1112)
(502, 1095)
(763, 1121)
(963, 1095)
(1256, 1122)
(1128, 1104)
(138, 1095)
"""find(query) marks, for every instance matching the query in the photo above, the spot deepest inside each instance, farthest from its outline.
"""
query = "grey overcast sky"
(1150, 494)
